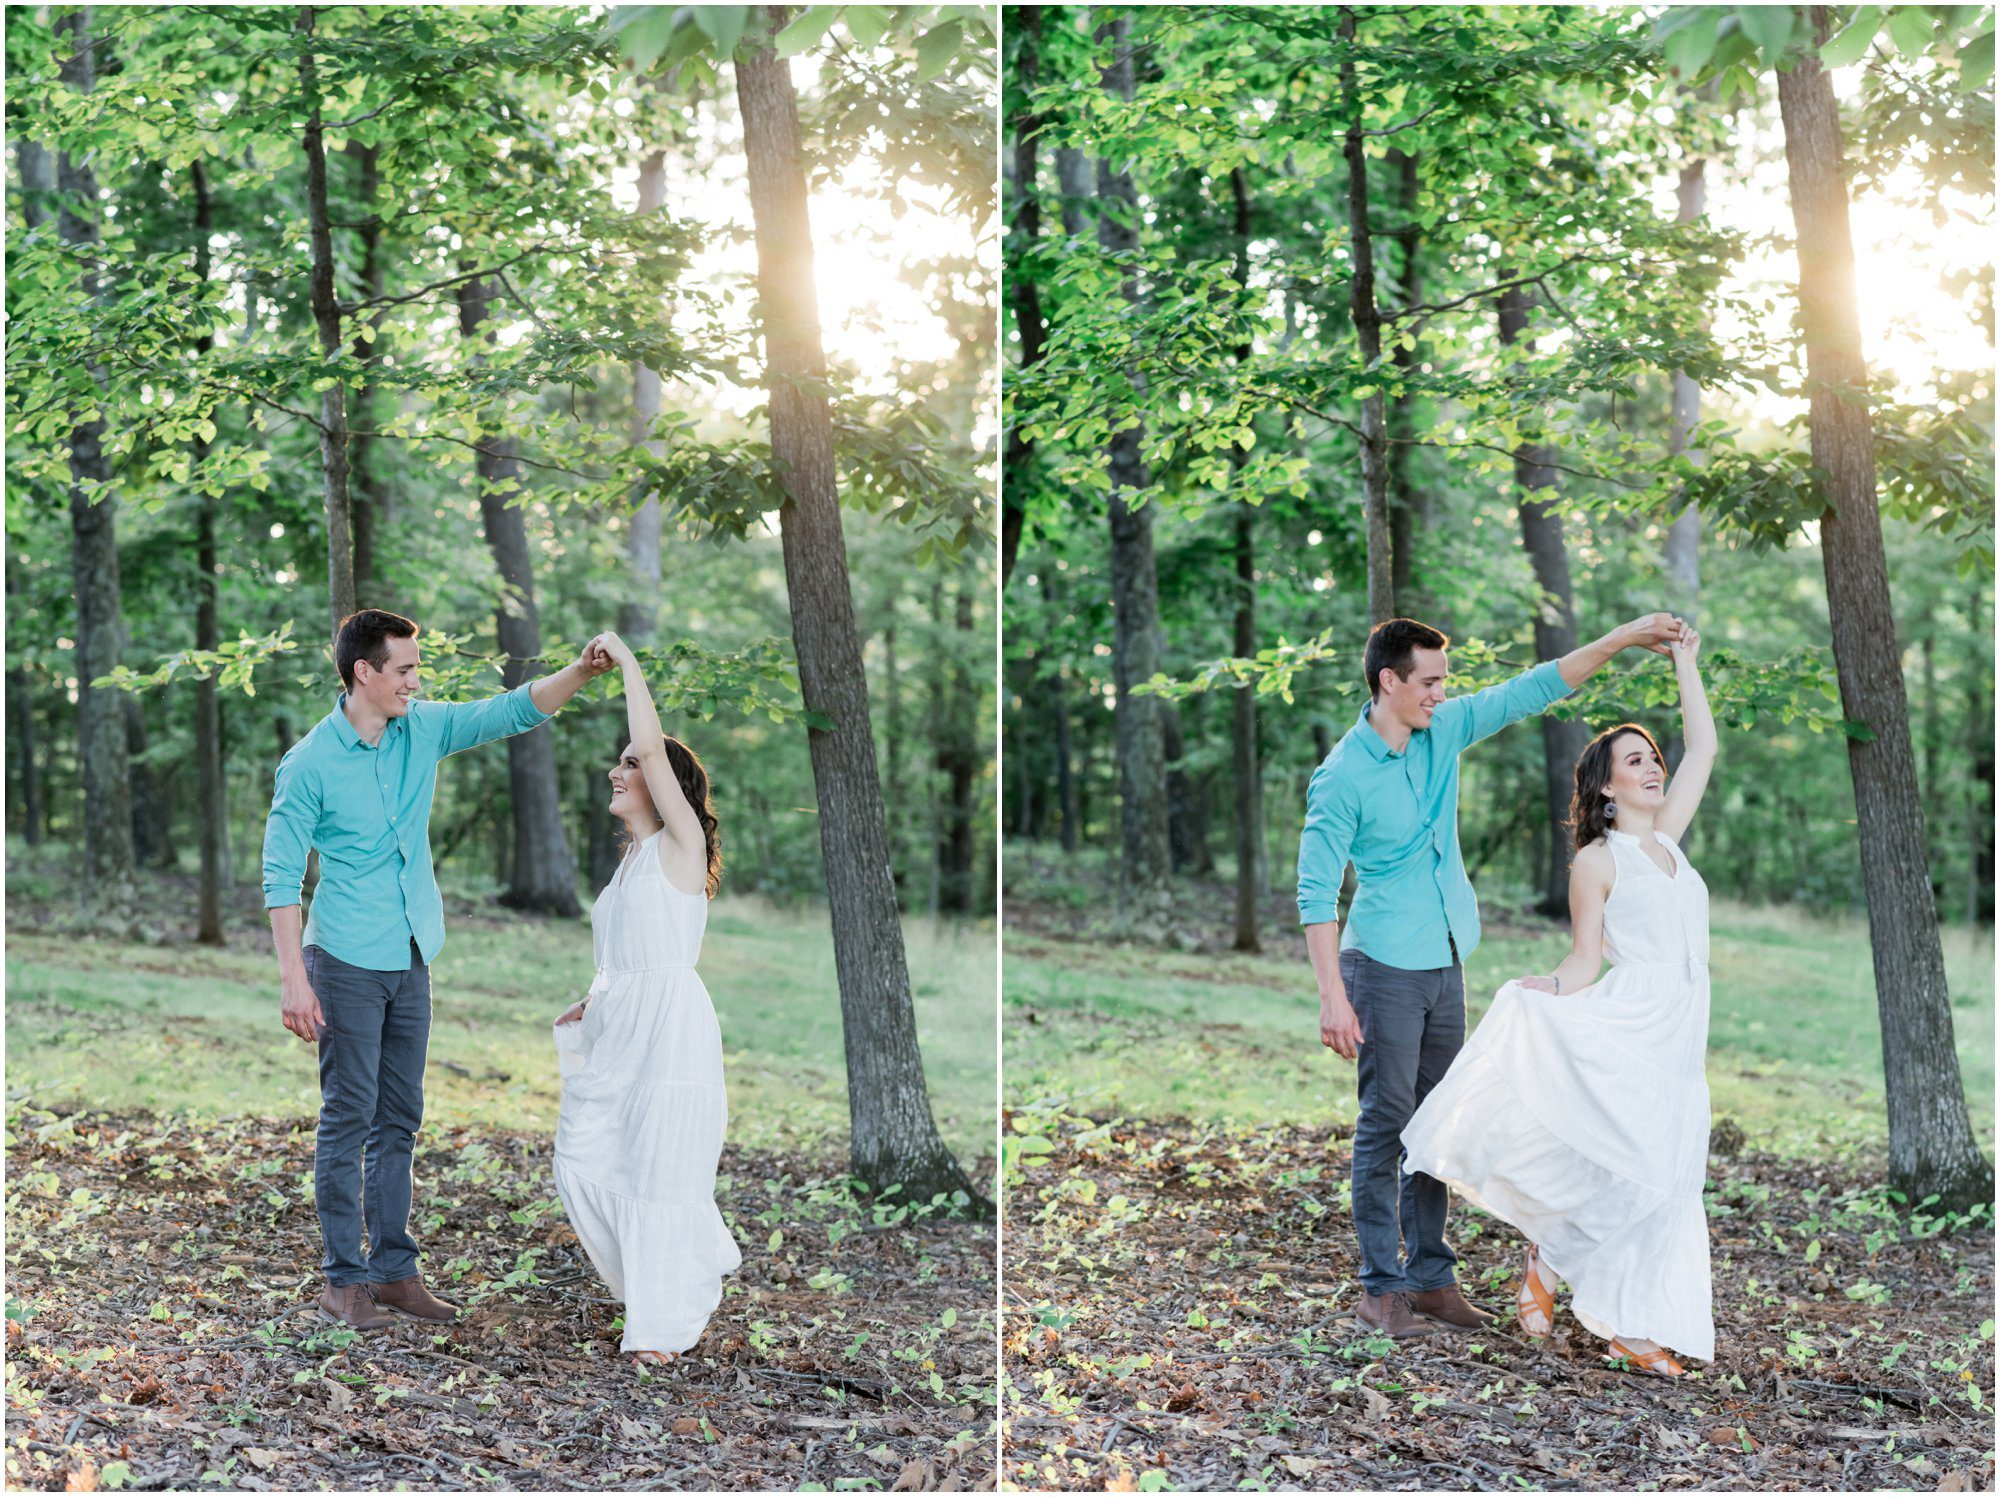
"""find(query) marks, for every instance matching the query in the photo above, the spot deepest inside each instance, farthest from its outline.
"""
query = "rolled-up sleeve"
(288, 831)
(469, 724)
(1463, 721)
(1325, 844)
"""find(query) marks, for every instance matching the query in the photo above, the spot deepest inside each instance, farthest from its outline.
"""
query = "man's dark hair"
(1393, 646)
(365, 636)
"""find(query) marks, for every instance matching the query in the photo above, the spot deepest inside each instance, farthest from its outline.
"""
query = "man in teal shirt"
(1392, 983)
(356, 981)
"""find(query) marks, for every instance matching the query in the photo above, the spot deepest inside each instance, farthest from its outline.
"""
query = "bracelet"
(1557, 980)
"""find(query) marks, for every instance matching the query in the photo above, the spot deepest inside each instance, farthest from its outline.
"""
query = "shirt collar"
(344, 730)
(1369, 739)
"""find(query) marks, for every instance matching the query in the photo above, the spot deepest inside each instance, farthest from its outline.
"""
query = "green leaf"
(867, 24)
(1975, 62)
(1851, 45)
(1911, 30)
(1769, 26)
(806, 30)
(643, 32)
(723, 25)
(936, 48)
(1689, 48)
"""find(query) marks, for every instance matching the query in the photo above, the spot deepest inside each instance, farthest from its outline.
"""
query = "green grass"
(194, 1031)
(1795, 1055)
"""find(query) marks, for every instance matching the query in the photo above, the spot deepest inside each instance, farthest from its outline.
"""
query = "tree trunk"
(109, 897)
(1979, 746)
(1563, 742)
(1932, 1150)
(1145, 867)
(1057, 694)
(212, 814)
(895, 1139)
(26, 754)
(371, 495)
(1367, 318)
(1246, 776)
(543, 877)
(640, 615)
(1684, 536)
(1407, 512)
(1029, 325)
(958, 758)
(152, 793)
(326, 317)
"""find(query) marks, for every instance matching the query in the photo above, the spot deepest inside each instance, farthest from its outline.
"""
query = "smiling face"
(630, 798)
(390, 689)
(1638, 778)
(1415, 701)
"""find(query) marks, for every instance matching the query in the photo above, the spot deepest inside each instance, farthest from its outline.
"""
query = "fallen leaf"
(144, 1392)
(263, 1460)
(689, 1426)
(339, 1397)
(83, 1478)
(1302, 1465)
(1956, 1481)
(916, 1476)
(1182, 1398)
(1378, 1406)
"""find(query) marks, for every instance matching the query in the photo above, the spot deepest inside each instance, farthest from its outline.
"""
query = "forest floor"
(162, 1251)
(161, 1333)
(1180, 1270)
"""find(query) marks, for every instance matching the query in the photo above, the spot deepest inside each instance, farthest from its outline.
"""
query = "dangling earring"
(1610, 812)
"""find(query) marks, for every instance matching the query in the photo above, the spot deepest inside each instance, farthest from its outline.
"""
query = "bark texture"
(108, 897)
(1555, 627)
(1408, 512)
(333, 455)
(1932, 1149)
(371, 499)
(895, 1139)
(1145, 866)
(1367, 317)
(1245, 773)
(211, 786)
(543, 875)
(1029, 324)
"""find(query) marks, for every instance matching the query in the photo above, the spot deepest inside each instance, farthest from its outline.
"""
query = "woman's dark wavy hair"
(693, 775)
(1593, 773)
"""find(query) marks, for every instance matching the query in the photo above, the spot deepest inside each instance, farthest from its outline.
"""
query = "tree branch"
(1406, 124)
(436, 286)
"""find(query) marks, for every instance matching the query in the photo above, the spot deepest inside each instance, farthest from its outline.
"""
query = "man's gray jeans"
(1412, 1026)
(371, 1089)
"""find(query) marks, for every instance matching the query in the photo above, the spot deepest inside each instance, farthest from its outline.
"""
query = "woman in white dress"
(643, 1106)
(1578, 1110)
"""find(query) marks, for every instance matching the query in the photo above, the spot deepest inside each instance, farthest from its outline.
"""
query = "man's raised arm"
(1653, 632)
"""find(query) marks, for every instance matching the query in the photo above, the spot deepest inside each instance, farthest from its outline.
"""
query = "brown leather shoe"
(352, 1305)
(1390, 1314)
(1449, 1304)
(410, 1297)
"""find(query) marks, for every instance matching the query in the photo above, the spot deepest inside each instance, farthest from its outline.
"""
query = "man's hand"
(300, 1008)
(615, 649)
(1655, 632)
(1339, 1029)
(594, 660)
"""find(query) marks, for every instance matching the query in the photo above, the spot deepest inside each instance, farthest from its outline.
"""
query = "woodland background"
(1523, 321)
(511, 319)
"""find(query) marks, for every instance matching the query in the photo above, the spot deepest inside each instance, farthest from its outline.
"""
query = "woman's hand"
(615, 649)
(574, 1013)
(1538, 984)
(1686, 646)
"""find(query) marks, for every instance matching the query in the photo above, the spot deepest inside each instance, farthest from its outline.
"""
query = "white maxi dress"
(1582, 1118)
(644, 1111)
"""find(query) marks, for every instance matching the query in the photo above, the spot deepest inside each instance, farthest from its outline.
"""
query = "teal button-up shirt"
(368, 811)
(1395, 817)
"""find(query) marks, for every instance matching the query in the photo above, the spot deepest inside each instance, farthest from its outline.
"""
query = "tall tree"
(1563, 740)
(1683, 548)
(371, 495)
(333, 454)
(1030, 325)
(1932, 1148)
(1145, 867)
(212, 809)
(1367, 316)
(543, 876)
(894, 1138)
(108, 893)
(1246, 774)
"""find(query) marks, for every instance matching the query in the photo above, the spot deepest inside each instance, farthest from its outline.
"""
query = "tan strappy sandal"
(645, 1359)
(1534, 1302)
(1659, 1362)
